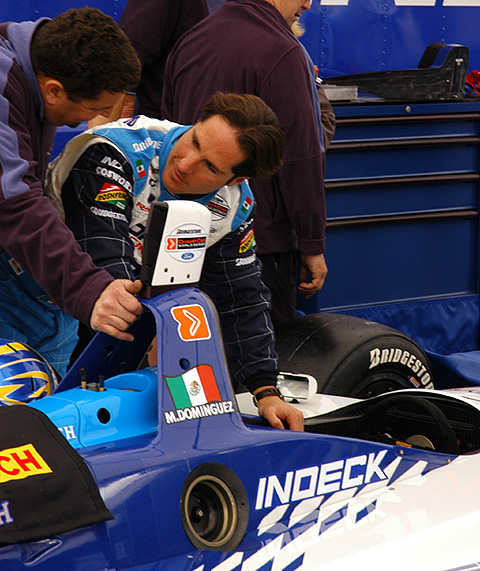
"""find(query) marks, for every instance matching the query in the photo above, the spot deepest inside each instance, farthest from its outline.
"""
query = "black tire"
(351, 356)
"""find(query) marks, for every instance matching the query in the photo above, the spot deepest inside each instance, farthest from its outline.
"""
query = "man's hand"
(117, 308)
(275, 411)
(317, 267)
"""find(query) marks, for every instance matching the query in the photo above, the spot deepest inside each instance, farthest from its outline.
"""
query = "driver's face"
(201, 161)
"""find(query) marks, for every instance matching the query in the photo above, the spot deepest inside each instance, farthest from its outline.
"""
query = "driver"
(106, 179)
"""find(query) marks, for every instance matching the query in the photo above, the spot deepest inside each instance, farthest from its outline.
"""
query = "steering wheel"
(445, 440)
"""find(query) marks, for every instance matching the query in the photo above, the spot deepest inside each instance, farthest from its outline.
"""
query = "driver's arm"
(98, 209)
(231, 277)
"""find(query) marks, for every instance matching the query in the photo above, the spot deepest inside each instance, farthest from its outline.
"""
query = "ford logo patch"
(187, 256)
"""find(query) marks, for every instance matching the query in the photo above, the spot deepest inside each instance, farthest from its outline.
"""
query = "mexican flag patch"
(247, 203)
(140, 169)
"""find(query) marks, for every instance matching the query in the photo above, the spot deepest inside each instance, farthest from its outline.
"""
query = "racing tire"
(351, 356)
(214, 508)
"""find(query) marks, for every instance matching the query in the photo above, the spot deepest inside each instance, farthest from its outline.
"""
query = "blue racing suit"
(106, 179)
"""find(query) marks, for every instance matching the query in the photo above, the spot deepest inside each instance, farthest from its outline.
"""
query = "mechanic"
(247, 46)
(108, 177)
(56, 71)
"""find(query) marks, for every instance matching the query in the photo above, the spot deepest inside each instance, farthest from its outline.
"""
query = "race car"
(130, 467)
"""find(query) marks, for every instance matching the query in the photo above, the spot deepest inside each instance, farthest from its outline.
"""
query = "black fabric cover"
(42, 505)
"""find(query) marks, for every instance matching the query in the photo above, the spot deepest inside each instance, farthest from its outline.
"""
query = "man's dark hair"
(87, 52)
(258, 131)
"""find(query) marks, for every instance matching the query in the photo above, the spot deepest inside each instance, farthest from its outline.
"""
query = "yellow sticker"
(247, 242)
(21, 462)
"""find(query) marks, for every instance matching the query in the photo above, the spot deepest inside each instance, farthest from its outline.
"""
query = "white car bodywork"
(382, 526)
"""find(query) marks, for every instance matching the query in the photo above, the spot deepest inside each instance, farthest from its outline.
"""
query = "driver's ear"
(237, 180)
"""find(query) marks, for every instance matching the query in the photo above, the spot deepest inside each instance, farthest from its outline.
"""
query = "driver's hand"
(275, 410)
(117, 308)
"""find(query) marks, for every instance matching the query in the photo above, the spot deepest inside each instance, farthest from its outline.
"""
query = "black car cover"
(46, 488)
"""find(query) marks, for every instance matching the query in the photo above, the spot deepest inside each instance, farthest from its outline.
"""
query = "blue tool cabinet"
(402, 191)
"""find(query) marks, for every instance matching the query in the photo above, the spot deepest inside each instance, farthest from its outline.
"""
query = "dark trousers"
(279, 274)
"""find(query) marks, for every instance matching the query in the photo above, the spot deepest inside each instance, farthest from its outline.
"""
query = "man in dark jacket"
(55, 72)
(247, 46)
(153, 27)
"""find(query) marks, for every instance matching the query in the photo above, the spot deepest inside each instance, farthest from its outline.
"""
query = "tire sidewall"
(350, 356)
(389, 360)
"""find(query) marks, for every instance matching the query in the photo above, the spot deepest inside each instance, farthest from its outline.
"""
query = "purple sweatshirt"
(246, 46)
(30, 229)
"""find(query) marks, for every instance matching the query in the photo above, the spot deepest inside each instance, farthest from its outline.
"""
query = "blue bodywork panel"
(142, 441)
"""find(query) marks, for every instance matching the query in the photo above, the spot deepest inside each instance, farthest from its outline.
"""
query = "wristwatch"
(274, 391)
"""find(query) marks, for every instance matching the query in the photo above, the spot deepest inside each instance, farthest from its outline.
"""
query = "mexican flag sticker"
(194, 387)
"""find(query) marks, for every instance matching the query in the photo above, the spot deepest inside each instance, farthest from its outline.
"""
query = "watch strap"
(274, 391)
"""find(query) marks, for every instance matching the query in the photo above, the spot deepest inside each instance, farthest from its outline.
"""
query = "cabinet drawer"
(390, 260)
(391, 195)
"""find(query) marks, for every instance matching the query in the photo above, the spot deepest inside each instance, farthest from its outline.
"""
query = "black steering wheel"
(445, 439)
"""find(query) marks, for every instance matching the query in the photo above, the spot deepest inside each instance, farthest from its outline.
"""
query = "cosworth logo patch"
(195, 394)
(21, 462)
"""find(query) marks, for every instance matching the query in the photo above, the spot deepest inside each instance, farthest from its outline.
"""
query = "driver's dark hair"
(87, 52)
(258, 131)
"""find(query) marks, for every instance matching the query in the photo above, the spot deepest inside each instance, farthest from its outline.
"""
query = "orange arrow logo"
(192, 322)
